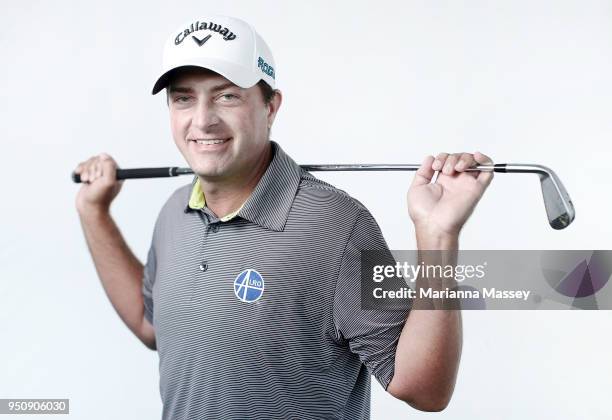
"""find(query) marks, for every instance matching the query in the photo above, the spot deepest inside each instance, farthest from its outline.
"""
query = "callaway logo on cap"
(223, 44)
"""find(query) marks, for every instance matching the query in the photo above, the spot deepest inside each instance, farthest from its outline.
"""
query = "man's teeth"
(215, 141)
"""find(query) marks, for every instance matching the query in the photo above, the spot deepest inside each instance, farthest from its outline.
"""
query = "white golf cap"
(223, 44)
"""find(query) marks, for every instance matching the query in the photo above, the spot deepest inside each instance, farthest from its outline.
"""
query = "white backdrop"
(523, 81)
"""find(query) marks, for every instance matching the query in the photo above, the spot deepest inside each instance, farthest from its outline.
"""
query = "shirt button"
(203, 266)
(214, 228)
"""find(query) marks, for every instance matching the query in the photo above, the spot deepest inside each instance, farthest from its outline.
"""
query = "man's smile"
(204, 144)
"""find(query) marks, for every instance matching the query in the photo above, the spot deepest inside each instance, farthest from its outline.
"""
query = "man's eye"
(228, 97)
(181, 99)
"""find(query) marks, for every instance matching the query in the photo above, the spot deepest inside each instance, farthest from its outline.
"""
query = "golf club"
(559, 206)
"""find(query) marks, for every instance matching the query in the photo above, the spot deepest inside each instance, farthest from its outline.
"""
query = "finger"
(85, 168)
(97, 169)
(78, 168)
(484, 178)
(449, 166)
(425, 172)
(439, 162)
(92, 172)
(482, 159)
(109, 169)
(88, 169)
(466, 160)
(85, 171)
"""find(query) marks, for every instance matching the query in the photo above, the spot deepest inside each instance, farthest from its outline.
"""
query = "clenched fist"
(99, 183)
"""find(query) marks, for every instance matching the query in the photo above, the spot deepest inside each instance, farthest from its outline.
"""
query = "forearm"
(429, 349)
(120, 272)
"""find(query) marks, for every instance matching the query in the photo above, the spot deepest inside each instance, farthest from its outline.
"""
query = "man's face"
(221, 129)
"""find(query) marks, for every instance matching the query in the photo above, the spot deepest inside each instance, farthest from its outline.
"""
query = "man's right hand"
(100, 185)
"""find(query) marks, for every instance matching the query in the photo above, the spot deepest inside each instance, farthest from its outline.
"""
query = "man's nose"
(205, 116)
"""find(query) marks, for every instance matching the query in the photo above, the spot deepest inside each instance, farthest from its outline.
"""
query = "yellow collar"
(197, 201)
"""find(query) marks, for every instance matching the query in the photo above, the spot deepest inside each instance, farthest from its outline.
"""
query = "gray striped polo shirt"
(259, 316)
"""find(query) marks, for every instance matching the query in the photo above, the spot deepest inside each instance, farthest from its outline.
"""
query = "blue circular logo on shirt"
(249, 286)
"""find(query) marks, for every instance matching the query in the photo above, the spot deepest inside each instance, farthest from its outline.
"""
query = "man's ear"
(273, 106)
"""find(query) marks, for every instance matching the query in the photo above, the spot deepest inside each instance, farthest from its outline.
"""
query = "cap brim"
(238, 75)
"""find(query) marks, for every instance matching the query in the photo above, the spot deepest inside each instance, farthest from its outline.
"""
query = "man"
(251, 290)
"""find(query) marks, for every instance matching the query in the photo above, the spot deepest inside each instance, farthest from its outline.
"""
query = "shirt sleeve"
(371, 334)
(147, 283)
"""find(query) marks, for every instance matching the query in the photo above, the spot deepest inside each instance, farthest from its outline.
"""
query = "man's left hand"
(444, 206)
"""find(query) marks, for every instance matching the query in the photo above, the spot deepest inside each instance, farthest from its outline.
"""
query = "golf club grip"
(138, 173)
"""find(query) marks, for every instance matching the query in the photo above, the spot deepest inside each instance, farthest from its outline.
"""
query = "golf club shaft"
(176, 171)
(559, 207)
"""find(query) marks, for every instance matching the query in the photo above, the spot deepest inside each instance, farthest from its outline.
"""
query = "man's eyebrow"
(223, 86)
(179, 89)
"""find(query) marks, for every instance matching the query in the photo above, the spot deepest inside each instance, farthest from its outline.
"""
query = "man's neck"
(226, 196)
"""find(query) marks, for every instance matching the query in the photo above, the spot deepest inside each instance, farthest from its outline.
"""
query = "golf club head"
(558, 204)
